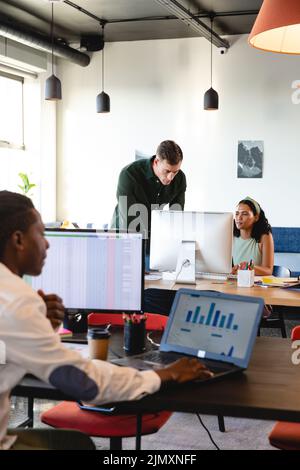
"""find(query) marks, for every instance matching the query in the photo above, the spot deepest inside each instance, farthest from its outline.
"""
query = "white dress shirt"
(31, 346)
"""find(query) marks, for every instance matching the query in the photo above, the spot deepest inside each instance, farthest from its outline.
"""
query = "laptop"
(219, 329)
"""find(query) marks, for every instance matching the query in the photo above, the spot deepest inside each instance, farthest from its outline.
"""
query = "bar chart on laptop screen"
(94, 270)
(213, 318)
(219, 326)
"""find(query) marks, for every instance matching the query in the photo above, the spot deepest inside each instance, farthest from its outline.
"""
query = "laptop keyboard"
(166, 358)
(157, 357)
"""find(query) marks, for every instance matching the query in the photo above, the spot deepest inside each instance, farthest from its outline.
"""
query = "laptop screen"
(93, 270)
(213, 325)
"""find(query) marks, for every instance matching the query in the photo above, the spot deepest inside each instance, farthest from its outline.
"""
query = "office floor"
(185, 429)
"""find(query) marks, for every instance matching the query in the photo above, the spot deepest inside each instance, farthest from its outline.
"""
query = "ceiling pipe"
(38, 41)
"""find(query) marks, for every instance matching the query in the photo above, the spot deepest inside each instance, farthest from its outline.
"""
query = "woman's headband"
(256, 205)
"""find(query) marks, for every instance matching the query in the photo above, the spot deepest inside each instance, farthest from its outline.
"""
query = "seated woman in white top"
(253, 240)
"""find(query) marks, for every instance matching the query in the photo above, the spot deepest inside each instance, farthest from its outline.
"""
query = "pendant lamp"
(103, 100)
(52, 85)
(211, 97)
(277, 27)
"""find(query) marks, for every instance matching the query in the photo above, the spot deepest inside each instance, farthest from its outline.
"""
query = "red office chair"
(295, 333)
(113, 426)
(286, 435)
(154, 321)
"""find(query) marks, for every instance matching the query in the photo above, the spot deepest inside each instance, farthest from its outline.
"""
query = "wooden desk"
(269, 389)
(271, 296)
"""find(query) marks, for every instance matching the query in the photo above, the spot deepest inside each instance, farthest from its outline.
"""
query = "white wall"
(156, 90)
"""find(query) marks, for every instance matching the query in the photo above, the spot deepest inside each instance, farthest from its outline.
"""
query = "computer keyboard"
(165, 358)
(212, 276)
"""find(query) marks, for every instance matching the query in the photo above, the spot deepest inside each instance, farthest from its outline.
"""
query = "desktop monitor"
(199, 241)
(94, 270)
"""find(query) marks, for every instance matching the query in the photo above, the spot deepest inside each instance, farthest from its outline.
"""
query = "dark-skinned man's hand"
(55, 308)
(184, 370)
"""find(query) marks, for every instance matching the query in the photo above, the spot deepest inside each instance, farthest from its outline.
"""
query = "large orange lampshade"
(277, 27)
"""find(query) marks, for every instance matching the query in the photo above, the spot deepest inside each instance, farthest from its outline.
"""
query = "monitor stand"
(186, 263)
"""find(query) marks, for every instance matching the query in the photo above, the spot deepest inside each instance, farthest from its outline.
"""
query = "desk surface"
(269, 389)
(271, 295)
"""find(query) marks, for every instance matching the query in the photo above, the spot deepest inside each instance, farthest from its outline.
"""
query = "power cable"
(208, 432)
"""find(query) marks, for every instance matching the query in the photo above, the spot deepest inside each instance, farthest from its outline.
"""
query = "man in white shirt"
(31, 344)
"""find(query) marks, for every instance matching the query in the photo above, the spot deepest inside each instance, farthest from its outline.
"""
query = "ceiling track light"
(103, 99)
(53, 84)
(211, 97)
(173, 6)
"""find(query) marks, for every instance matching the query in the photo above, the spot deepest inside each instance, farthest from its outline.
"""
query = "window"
(11, 112)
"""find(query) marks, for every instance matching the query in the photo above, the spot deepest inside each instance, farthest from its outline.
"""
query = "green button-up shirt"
(144, 192)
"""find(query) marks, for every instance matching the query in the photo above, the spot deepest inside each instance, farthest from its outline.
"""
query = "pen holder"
(134, 336)
(245, 278)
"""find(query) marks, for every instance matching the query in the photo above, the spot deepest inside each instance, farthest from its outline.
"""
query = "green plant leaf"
(24, 177)
(27, 185)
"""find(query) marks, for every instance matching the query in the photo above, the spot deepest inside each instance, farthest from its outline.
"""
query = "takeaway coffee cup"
(98, 339)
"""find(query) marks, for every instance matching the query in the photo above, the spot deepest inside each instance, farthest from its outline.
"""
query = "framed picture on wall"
(250, 159)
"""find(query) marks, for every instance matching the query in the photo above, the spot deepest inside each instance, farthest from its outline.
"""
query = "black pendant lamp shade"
(211, 97)
(53, 88)
(211, 100)
(103, 103)
(52, 85)
(103, 99)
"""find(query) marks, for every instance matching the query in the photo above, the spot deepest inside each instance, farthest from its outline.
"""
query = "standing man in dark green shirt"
(150, 184)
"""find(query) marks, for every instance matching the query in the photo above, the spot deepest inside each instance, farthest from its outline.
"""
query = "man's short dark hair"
(15, 214)
(170, 151)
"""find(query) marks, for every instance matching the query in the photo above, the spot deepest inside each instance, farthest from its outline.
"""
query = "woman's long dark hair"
(260, 227)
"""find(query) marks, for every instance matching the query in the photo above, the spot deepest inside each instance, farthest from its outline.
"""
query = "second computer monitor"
(212, 233)
(94, 270)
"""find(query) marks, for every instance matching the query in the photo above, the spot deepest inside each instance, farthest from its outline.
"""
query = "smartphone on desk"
(99, 409)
